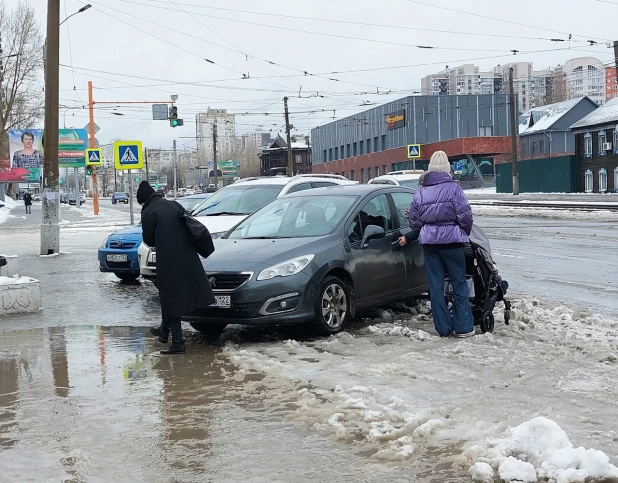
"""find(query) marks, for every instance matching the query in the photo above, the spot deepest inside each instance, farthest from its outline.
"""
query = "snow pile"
(14, 281)
(5, 211)
(550, 213)
(537, 450)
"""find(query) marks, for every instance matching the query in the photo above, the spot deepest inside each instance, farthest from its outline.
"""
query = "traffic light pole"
(91, 103)
(131, 197)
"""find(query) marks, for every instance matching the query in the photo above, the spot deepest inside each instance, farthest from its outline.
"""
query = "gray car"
(315, 256)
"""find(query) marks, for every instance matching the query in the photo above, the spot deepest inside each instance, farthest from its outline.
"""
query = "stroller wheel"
(487, 323)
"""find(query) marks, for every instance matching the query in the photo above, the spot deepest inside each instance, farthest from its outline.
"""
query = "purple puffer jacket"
(440, 210)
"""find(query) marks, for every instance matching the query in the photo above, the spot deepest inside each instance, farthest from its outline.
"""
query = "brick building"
(274, 159)
(596, 146)
(374, 141)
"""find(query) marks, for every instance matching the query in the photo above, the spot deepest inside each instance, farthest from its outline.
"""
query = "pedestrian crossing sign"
(414, 151)
(128, 155)
(94, 157)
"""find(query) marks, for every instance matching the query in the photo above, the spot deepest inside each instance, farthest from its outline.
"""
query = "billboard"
(26, 153)
(25, 156)
(396, 119)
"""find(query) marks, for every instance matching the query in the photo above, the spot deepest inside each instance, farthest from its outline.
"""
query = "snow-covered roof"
(545, 117)
(608, 112)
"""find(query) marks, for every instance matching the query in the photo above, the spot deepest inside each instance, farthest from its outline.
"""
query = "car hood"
(133, 233)
(251, 255)
(220, 224)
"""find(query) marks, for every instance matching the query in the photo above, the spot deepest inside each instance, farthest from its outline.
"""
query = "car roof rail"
(320, 175)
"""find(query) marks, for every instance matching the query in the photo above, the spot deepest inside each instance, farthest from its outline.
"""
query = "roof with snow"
(607, 113)
(543, 118)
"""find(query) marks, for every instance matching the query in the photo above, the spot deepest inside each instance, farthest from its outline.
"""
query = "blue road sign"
(128, 155)
(457, 166)
(414, 151)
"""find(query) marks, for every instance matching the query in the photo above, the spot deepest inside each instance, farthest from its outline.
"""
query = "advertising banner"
(25, 161)
(25, 157)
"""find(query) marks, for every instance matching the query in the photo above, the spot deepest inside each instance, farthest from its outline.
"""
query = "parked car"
(120, 198)
(211, 188)
(189, 192)
(232, 204)
(399, 178)
(190, 202)
(71, 199)
(119, 255)
(315, 256)
(64, 197)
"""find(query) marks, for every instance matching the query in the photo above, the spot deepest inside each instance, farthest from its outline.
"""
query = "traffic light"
(173, 117)
(89, 170)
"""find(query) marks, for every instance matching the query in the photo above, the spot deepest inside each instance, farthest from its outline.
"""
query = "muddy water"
(95, 404)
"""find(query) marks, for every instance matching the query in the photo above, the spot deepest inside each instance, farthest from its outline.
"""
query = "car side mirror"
(2, 261)
(372, 232)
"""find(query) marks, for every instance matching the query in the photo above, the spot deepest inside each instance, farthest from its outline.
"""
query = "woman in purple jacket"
(440, 210)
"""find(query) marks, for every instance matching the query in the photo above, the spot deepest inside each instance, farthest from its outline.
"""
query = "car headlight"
(105, 242)
(214, 236)
(285, 269)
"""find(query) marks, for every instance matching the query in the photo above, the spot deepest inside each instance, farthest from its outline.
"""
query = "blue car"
(120, 198)
(118, 254)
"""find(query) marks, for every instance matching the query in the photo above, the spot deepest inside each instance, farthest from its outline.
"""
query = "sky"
(329, 58)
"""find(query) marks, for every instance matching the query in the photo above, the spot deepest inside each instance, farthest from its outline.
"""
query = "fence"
(548, 175)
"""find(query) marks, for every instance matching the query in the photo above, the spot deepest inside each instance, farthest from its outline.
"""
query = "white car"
(232, 204)
(189, 192)
(409, 179)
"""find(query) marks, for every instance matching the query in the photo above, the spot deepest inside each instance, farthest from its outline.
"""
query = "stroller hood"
(479, 239)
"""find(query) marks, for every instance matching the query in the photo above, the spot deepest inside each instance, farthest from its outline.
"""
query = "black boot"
(161, 333)
(175, 348)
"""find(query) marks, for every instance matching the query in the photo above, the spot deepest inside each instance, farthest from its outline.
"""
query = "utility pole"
(616, 55)
(288, 128)
(214, 155)
(175, 173)
(2, 140)
(146, 162)
(95, 188)
(50, 229)
(514, 127)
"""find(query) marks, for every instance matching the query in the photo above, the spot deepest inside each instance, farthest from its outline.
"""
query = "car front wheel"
(332, 306)
(208, 329)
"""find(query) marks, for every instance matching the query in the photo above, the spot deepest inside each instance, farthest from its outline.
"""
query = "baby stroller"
(485, 284)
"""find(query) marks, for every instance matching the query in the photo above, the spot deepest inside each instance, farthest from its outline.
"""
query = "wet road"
(85, 398)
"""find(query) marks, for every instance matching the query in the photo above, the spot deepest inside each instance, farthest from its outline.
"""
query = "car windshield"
(120, 194)
(410, 183)
(238, 200)
(300, 217)
(190, 203)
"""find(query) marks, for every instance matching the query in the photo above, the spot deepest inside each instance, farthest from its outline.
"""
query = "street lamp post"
(50, 229)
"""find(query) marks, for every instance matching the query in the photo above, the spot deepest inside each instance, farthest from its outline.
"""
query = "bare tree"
(21, 67)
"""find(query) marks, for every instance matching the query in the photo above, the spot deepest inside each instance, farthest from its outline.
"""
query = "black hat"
(144, 191)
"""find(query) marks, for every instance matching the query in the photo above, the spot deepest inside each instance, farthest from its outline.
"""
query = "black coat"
(183, 286)
(27, 199)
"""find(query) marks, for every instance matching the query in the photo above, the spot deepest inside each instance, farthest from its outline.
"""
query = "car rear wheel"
(208, 329)
(332, 306)
(127, 277)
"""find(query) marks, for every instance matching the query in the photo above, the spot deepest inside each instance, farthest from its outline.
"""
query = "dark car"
(191, 201)
(314, 256)
(120, 198)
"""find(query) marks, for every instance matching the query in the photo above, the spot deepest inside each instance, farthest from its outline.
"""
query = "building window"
(324, 156)
(330, 154)
(588, 145)
(533, 149)
(383, 142)
(368, 174)
(376, 148)
(602, 141)
(588, 181)
(377, 170)
(349, 151)
(616, 179)
(352, 175)
(383, 169)
(602, 180)
(361, 151)
(615, 146)
(541, 147)
(299, 157)
(353, 149)
(336, 154)
(486, 131)
(362, 176)
(368, 146)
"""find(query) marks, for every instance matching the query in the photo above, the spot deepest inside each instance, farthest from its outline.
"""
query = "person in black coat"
(28, 202)
(183, 286)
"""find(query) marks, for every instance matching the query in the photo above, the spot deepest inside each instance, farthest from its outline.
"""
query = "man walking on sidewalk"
(28, 202)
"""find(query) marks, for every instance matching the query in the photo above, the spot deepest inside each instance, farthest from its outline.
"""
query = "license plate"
(222, 301)
(117, 258)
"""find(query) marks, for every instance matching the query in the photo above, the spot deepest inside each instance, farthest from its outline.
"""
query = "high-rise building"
(464, 79)
(226, 133)
(583, 76)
